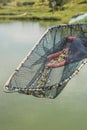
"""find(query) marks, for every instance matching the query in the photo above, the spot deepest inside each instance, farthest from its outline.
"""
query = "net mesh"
(42, 76)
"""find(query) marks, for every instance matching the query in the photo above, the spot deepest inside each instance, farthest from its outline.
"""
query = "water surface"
(17, 111)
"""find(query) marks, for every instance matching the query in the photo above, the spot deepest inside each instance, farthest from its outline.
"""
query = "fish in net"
(55, 59)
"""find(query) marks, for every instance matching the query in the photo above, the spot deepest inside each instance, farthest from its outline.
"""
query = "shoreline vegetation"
(40, 11)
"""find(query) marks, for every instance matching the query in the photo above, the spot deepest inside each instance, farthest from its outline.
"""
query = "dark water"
(20, 112)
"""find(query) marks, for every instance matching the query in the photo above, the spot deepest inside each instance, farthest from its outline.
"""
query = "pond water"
(17, 111)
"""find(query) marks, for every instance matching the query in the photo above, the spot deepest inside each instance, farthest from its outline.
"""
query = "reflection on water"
(19, 112)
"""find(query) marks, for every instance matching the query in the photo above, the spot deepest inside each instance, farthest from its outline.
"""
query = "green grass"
(41, 11)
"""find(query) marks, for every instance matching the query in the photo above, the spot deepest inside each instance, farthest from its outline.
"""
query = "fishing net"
(58, 56)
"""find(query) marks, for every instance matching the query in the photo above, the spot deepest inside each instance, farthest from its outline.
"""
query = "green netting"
(33, 77)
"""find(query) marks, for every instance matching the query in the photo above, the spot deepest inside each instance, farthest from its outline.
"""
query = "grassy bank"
(41, 11)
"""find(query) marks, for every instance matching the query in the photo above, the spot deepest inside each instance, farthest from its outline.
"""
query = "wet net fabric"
(32, 76)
